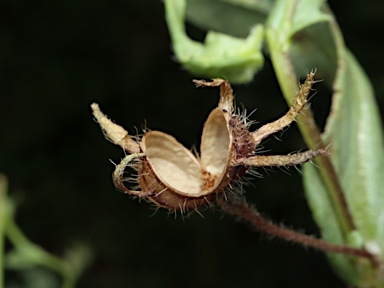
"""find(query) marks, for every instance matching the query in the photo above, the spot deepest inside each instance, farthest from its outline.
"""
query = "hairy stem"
(241, 210)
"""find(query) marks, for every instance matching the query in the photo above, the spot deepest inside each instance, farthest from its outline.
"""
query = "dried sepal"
(172, 177)
(113, 132)
(118, 175)
(296, 107)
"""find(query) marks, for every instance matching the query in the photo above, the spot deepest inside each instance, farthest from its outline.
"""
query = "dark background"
(56, 58)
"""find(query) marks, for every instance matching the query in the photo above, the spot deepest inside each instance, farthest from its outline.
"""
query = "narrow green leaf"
(221, 55)
(355, 133)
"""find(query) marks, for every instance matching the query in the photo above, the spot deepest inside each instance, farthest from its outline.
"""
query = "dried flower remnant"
(170, 176)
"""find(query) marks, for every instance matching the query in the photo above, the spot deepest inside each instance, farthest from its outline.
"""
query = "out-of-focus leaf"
(258, 5)
(314, 47)
(309, 12)
(232, 17)
(26, 256)
(291, 16)
(79, 257)
(39, 277)
(302, 32)
(221, 55)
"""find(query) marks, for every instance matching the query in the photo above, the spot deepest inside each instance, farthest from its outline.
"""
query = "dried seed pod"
(170, 176)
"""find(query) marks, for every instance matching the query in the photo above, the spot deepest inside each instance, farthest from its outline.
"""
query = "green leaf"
(355, 133)
(221, 55)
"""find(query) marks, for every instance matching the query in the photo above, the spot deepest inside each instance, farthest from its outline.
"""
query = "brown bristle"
(244, 144)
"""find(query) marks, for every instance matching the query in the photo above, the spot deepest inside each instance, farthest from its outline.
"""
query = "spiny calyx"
(172, 177)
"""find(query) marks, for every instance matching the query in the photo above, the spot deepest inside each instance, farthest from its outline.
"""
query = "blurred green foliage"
(58, 57)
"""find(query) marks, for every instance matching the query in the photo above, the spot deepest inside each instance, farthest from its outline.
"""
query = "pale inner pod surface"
(215, 143)
(172, 163)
